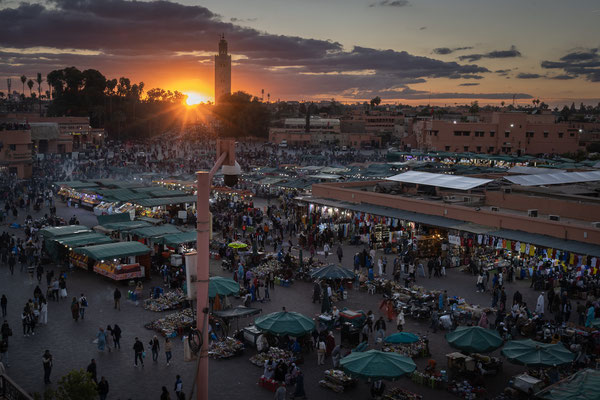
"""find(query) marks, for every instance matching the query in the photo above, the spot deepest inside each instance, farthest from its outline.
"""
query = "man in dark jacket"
(138, 348)
(92, 370)
(117, 297)
(103, 388)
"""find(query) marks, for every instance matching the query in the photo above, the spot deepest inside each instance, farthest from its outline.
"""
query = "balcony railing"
(9, 390)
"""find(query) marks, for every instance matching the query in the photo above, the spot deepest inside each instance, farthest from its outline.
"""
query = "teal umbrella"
(375, 364)
(218, 285)
(595, 323)
(401, 337)
(536, 354)
(332, 272)
(285, 323)
(474, 339)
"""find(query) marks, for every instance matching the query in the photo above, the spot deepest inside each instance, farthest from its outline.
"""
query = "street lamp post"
(225, 156)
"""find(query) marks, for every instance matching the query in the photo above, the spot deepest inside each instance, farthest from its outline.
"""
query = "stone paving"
(72, 347)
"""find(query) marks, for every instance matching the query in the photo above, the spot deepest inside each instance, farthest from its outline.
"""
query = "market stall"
(165, 301)
(164, 206)
(173, 324)
(337, 380)
(118, 260)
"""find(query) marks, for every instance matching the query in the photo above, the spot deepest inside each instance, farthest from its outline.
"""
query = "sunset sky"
(452, 51)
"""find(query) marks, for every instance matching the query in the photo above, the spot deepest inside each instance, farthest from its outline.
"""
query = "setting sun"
(194, 98)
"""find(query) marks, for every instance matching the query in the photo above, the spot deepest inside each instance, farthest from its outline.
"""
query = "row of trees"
(126, 111)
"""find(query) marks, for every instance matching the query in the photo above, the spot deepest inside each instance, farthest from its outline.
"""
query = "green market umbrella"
(536, 354)
(237, 245)
(218, 285)
(332, 272)
(474, 339)
(375, 364)
(582, 385)
(285, 323)
(401, 337)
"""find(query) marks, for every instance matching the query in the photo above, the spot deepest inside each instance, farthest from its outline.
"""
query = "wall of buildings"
(15, 152)
(562, 229)
(499, 133)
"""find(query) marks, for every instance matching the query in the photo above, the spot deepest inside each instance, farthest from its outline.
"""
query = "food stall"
(337, 380)
(158, 207)
(118, 261)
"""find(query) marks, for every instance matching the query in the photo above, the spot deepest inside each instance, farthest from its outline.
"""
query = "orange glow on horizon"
(195, 98)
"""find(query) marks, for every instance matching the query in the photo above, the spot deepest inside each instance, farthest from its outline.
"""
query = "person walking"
(83, 303)
(164, 395)
(3, 304)
(299, 389)
(26, 320)
(116, 333)
(400, 321)
(117, 298)
(103, 388)
(43, 311)
(47, 362)
(280, 393)
(178, 387)
(321, 349)
(380, 329)
(155, 347)
(11, 263)
(101, 337)
(340, 253)
(138, 349)
(93, 370)
(108, 337)
(168, 349)
(75, 309)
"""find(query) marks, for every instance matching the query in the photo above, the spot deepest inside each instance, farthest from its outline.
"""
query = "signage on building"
(454, 239)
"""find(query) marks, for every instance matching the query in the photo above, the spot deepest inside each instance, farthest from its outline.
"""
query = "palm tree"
(30, 86)
(23, 80)
(39, 81)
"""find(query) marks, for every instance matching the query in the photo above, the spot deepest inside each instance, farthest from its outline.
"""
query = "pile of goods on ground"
(167, 301)
(226, 348)
(170, 325)
(275, 353)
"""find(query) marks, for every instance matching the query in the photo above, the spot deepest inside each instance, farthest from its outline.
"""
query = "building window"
(545, 134)
(479, 133)
(506, 134)
(457, 133)
(571, 134)
(529, 134)
(467, 133)
(447, 148)
(491, 149)
(479, 149)
(492, 133)
(466, 148)
(12, 147)
(560, 135)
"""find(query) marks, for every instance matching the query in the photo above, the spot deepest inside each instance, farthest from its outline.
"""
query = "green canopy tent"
(218, 285)
(113, 250)
(536, 354)
(125, 226)
(165, 201)
(583, 385)
(474, 339)
(332, 272)
(285, 323)
(375, 364)
(57, 231)
(236, 313)
(154, 231)
(401, 337)
(176, 239)
(113, 218)
(57, 247)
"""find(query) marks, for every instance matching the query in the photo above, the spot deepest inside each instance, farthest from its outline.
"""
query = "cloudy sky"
(408, 51)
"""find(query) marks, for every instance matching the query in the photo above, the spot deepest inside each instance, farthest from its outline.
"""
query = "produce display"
(275, 353)
(433, 381)
(78, 260)
(465, 390)
(119, 272)
(336, 380)
(169, 325)
(225, 348)
(417, 349)
(268, 266)
(167, 301)
(401, 394)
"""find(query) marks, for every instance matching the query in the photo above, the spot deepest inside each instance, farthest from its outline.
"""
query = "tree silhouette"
(30, 86)
(23, 80)
(39, 81)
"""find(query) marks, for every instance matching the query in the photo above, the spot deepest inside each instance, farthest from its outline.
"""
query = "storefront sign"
(453, 239)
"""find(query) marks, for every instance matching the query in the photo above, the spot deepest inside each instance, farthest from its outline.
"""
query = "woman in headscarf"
(101, 336)
(483, 322)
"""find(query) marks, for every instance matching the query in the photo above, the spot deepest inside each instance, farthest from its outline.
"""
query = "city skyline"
(412, 52)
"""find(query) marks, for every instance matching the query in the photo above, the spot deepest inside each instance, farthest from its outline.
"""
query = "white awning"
(560, 178)
(440, 180)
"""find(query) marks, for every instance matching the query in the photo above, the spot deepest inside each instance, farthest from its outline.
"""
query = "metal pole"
(202, 267)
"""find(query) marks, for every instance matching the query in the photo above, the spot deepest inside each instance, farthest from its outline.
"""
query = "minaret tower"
(222, 71)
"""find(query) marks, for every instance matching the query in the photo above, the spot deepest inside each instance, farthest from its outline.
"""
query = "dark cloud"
(242, 19)
(584, 63)
(125, 38)
(407, 93)
(390, 3)
(503, 72)
(524, 75)
(469, 84)
(422, 28)
(447, 50)
(513, 52)
(563, 77)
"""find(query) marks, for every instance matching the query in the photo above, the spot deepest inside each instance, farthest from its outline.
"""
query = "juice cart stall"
(118, 261)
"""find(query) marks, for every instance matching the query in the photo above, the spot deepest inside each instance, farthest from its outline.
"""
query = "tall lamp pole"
(225, 157)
